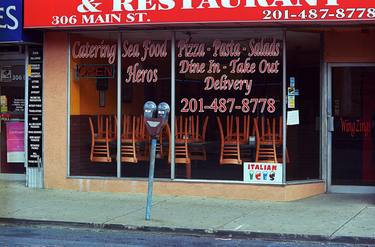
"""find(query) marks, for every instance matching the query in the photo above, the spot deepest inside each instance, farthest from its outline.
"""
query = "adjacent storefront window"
(230, 120)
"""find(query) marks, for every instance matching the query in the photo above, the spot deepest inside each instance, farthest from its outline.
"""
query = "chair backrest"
(106, 125)
(197, 129)
(229, 126)
(112, 125)
(245, 128)
(205, 123)
(232, 128)
(99, 121)
(128, 127)
(140, 133)
(221, 131)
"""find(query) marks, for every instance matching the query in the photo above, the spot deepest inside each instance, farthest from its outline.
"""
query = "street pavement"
(37, 236)
(338, 218)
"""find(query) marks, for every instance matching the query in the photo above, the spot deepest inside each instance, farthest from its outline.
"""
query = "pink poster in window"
(15, 142)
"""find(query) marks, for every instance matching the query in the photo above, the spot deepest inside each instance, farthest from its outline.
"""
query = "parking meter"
(155, 119)
(149, 110)
(163, 112)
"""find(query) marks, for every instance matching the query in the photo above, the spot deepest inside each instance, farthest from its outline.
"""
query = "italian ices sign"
(263, 173)
(58, 13)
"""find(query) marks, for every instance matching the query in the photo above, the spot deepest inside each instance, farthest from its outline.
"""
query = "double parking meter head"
(155, 117)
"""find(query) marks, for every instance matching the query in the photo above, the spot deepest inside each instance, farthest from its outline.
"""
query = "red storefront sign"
(58, 13)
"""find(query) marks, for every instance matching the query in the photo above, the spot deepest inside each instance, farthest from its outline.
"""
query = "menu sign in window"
(35, 107)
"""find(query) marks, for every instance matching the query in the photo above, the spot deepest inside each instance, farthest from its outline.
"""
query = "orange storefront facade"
(262, 109)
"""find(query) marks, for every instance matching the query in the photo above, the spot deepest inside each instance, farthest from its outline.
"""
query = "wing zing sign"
(126, 12)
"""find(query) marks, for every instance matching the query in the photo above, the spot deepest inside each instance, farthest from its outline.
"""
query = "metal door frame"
(340, 188)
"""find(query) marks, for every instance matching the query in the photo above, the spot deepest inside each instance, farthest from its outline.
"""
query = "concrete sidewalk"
(333, 217)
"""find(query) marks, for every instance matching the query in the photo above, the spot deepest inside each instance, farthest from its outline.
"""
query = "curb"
(195, 232)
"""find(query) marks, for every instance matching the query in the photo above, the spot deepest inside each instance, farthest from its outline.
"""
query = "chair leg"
(274, 153)
(188, 170)
(287, 155)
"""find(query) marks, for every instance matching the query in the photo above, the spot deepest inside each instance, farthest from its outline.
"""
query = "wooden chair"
(197, 133)
(100, 151)
(182, 138)
(128, 139)
(265, 130)
(230, 152)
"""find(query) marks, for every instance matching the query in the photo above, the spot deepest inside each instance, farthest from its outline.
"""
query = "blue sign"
(11, 23)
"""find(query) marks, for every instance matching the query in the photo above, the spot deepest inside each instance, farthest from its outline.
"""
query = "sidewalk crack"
(232, 220)
(346, 222)
(138, 209)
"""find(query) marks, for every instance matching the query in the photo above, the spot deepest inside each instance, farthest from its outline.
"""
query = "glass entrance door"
(353, 138)
(12, 105)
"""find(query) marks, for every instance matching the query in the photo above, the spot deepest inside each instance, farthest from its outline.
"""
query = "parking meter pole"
(151, 178)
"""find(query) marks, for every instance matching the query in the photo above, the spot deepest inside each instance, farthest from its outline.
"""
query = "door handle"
(331, 123)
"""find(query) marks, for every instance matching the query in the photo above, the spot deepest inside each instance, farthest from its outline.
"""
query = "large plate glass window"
(146, 76)
(93, 104)
(303, 105)
(229, 105)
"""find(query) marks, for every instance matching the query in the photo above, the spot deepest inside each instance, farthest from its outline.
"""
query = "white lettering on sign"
(147, 5)
(8, 13)
(88, 6)
(143, 5)
(101, 19)
(190, 4)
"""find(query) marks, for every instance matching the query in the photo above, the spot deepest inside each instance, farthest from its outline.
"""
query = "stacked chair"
(269, 135)
(230, 152)
(100, 140)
